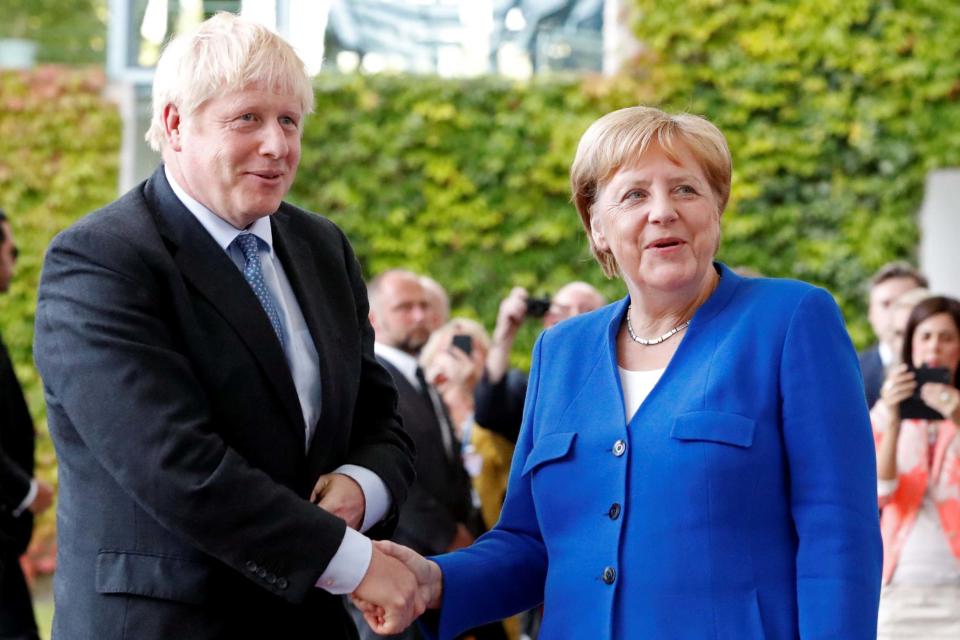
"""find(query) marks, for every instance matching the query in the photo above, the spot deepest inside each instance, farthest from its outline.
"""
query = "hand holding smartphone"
(914, 407)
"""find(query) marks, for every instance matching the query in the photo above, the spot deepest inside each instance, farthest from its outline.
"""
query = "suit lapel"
(208, 268)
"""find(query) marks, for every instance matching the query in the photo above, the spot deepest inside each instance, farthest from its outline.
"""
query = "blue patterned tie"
(253, 272)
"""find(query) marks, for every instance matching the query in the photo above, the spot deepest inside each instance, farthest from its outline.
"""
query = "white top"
(637, 385)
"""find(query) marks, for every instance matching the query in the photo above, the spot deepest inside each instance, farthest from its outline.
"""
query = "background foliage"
(66, 31)
(835, 111)
(59, 146)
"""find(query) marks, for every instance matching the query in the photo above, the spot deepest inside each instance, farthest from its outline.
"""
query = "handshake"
(400, 584)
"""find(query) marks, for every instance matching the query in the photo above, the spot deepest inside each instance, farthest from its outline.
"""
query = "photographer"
(918, 471)
(500, 394)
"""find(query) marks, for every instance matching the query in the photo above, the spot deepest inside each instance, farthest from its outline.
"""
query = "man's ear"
(172, 127)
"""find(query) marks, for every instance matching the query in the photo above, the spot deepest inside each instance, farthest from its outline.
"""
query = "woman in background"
(918, 471)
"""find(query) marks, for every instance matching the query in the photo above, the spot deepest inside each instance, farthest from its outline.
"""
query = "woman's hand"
(943, 398)
(898, 386)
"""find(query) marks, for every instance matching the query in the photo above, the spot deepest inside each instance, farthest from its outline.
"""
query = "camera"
(538, 307)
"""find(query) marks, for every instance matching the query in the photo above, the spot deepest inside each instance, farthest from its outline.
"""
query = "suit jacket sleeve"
(499, 405)
(14, 479)
(379, 442)
(112, 365)
(832, 475)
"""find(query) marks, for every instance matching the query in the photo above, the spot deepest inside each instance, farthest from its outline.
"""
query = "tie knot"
(248, 245)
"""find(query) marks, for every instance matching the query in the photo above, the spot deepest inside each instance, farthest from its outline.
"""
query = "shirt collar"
(403, 361)
(222, 231)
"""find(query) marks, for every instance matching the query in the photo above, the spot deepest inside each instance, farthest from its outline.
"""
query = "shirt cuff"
(27, 500)
(887, 487)
(375, 494)
(349, 564)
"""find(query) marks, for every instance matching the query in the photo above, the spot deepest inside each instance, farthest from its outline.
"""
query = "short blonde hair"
(225, 53)
(621, 137)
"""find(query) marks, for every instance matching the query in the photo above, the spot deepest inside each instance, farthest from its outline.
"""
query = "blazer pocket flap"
(714, 426)
(153, 576)
(550, 447)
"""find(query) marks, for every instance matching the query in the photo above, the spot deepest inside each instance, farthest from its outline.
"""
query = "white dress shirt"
(349, 565)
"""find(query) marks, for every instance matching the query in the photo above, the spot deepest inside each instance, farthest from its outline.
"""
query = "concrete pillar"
(940, 232)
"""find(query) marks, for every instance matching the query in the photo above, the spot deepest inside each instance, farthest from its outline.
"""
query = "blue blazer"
(738, 502)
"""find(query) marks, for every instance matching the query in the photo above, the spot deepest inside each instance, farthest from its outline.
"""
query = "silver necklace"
(652, 341)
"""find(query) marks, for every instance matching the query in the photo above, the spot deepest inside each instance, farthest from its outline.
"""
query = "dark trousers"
(16, 608)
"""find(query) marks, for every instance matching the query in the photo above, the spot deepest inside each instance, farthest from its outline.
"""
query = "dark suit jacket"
(183, 483)
(871, 368)
(499, 406)
(16, 460)
(440, 496)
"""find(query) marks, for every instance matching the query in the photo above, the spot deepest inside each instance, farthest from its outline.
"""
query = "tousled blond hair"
(621, 137)
(225, 53)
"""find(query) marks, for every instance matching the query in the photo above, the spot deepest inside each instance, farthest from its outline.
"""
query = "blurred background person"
(438, 302)
(887, 284)
(439, 514)
(501, 391)
(695, 459)
(918, 471)
(21, 494)
(454, 359)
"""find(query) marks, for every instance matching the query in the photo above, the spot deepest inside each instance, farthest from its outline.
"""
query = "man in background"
(21, 495)
(438, 515)
(889, 282)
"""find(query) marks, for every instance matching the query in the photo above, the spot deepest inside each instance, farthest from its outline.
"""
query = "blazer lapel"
(208, 268)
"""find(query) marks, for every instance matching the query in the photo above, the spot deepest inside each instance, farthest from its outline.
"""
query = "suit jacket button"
(251, 566)
(609, 575)
(614, 511)
(271, 579)
(282, 583)
(261, 573)
(619, 448)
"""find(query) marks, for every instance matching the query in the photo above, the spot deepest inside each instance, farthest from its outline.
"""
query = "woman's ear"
(596, 232)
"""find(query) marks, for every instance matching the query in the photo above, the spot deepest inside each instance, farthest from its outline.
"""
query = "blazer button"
(619, 448)
(614, 511)
(282, 583)
(609, 575)
(261, 573)
(251, 566)
(271, 579)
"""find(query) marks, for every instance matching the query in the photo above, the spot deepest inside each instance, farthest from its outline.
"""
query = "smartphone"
(914, 407)
(538, 307)
(463, 342)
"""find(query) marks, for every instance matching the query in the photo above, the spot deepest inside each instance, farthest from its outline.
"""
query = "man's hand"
(428, 574)
(43, 499)
(389, 596)
(342, 496)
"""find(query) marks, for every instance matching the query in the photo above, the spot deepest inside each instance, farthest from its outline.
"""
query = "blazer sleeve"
(379, 441)
(833, 481)
(510, 561)
(14, 479)
(112, 365)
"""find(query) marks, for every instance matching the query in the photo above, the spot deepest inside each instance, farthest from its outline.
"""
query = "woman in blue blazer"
(695, 460)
